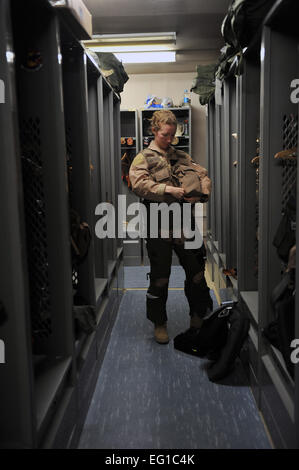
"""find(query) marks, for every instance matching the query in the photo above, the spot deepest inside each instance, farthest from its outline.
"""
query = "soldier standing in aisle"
(151, 179)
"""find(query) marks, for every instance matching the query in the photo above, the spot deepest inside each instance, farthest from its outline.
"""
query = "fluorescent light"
(146, 57)
(150, 36)
(132, 48)
(136, 48)
(132, 42)
(131, 39)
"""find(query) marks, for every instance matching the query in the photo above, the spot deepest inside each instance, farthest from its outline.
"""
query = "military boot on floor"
(161, 335)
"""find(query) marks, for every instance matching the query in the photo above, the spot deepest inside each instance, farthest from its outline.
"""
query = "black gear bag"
(220, 339)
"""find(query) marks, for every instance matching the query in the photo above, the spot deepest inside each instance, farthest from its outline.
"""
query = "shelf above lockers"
(94, 70)
(76, 15)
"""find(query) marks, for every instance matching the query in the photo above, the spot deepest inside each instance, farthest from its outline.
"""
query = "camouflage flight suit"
(150, 172)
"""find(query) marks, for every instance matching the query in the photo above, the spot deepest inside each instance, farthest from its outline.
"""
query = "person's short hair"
(163, 116)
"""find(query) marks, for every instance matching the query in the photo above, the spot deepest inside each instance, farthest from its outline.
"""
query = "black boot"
(199, 299)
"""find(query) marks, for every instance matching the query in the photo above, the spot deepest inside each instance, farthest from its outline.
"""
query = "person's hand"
(178, 193)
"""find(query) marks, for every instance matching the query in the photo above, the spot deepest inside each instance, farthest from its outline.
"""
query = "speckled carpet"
(151, 396)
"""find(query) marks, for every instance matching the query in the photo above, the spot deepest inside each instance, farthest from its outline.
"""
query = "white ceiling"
(196, 22)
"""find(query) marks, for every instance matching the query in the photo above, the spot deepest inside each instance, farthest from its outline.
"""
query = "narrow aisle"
(153, 396)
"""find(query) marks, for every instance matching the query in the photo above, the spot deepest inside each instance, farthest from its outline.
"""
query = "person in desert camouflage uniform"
(151, 179)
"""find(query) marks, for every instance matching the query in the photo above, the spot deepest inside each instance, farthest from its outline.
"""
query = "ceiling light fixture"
(136, 48)
(165, 41)
(146, 57)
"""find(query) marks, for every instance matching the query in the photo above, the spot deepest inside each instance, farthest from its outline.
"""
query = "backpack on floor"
(220, 339)
(238, 324)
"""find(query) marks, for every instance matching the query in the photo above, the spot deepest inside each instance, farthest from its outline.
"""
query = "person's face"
(165, 135)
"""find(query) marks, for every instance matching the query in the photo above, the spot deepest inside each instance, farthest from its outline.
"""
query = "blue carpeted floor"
(136, 277)
(151, 396)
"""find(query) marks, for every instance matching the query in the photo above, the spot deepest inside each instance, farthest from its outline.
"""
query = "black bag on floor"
(209, 339)
(237, 333)
(220, 339)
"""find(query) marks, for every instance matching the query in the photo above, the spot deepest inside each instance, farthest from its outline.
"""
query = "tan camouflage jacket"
(150, 172)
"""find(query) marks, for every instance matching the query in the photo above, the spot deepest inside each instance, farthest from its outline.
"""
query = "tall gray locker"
(130, 147)
(263, 120)
(54, 159)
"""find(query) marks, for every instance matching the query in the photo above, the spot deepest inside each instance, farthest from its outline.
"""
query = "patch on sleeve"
(138, 160)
